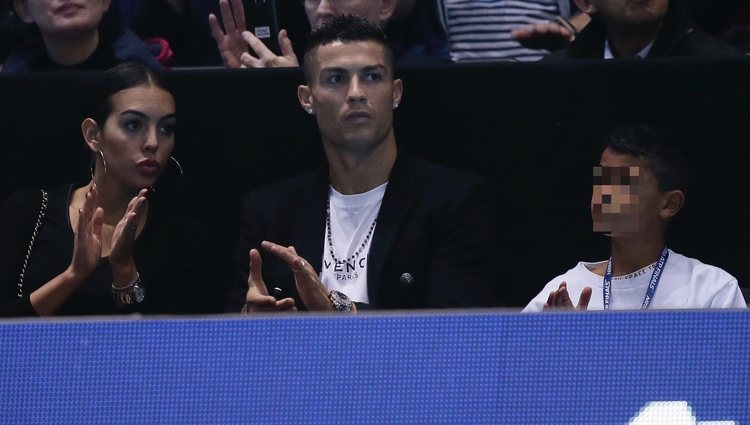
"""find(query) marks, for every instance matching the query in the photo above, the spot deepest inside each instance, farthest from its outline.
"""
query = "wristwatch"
(133, 293)
(340, 301)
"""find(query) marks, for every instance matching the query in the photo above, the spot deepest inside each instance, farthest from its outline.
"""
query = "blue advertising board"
(484, 367)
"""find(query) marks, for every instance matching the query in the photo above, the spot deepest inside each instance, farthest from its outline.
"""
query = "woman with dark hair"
(77, 35)
(104, 247)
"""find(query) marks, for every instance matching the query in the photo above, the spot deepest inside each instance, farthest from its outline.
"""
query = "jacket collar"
(675, 27)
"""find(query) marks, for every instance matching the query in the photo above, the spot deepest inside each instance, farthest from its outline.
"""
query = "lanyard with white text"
(655, 276)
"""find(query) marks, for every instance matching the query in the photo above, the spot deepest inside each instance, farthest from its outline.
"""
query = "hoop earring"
(178, 165)
(92, 165)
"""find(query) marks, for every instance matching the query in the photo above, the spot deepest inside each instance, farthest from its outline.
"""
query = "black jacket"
(434, 223)
(677, 38)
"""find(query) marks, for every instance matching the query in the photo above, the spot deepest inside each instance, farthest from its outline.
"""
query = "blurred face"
(138, 136)
(63, 17)
(375, 11)
(626, 198)
(352, 93)
(632, 12)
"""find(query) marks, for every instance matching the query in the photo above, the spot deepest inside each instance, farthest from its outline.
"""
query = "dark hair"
(345, 28)
(121, 77)
(663, 156)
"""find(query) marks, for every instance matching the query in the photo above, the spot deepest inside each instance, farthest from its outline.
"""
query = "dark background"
(533, 129)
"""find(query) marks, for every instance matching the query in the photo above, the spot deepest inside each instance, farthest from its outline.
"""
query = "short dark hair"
(662, 153)
(345, 28)
(126, 75)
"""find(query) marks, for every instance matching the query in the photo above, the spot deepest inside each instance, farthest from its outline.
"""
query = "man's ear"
(22, 10)
(398, 91)
(305, 99)
(674, 200)
(386, 11)
(586, 6)
(91, 134)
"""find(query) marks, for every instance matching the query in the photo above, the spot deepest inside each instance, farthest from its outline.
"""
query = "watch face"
(340, 301)
(340, 297)
(139, 293)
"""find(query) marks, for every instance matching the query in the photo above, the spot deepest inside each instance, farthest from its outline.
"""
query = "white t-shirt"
(686, 283)
(352, 219)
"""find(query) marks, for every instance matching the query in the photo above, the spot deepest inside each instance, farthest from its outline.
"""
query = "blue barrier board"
(417, 368)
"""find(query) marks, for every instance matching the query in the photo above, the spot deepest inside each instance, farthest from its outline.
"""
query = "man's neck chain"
(330, 239)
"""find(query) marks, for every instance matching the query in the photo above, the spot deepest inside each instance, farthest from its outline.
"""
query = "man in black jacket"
(374, 227)
(640, 29)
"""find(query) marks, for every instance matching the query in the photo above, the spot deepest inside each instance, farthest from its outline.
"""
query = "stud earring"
(395, 105)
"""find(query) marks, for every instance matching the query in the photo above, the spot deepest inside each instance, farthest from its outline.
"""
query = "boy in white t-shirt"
(638, 188)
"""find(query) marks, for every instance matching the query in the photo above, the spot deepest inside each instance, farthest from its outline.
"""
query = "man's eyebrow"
(367, 68)
(333, 69)
(374, 67)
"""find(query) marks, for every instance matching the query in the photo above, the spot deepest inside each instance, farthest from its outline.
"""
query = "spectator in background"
(181, 22)
(73, 35)
(519, 30)
(643, 29)
(373, 226)
(416, 32)
(107, 246)
(241, 48)
(726, 20)
(639, 186)
(12, 31)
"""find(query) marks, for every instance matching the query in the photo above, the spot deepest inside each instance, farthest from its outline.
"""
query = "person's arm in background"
(552, 35)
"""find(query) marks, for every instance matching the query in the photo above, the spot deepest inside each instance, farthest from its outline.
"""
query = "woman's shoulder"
(23, 200)
(21, 209)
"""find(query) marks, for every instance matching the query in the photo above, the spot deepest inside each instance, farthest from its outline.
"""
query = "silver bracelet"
(132, 293)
